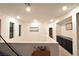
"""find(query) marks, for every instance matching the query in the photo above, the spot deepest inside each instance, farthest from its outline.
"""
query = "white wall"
(64, 31)
(5, 25)
(61, 28)
(33, 36)
(58, 29)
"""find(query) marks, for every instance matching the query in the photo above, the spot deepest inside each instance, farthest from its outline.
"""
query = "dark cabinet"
(69, 46)
(66, 43)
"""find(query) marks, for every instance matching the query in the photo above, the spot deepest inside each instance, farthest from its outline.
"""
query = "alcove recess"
(64, 34)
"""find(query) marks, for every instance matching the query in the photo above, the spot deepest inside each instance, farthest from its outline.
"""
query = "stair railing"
(9, 46)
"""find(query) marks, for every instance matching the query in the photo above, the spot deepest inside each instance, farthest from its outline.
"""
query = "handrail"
(9, 46)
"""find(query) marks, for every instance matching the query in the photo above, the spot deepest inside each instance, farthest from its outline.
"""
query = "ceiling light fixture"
(51, 20)
(64, 8)
(28, 7)
(18, 17)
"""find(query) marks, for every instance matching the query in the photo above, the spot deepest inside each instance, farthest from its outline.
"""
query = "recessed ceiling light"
(28, 9)
(18, 17)
(51, 20)
(64, 8)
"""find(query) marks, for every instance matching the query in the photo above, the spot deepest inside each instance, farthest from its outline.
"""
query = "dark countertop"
(68, 38)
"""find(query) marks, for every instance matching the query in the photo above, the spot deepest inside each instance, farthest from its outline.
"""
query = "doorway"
(51, 32)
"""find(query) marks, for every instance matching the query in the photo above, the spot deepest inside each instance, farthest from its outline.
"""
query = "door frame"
(0, 26)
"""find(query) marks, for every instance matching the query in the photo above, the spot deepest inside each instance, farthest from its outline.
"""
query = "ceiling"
(39, 11)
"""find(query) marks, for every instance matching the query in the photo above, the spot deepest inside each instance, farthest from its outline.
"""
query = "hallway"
(48, 28)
